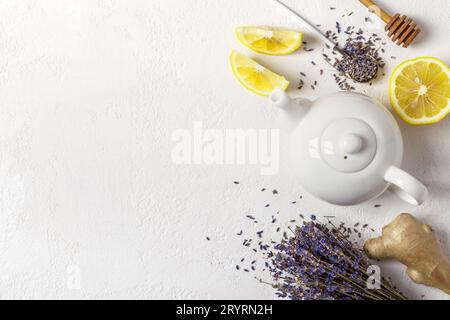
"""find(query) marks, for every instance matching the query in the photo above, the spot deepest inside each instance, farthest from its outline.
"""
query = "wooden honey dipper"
(400, 29)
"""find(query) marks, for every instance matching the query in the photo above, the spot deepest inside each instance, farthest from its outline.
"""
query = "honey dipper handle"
(386, 17)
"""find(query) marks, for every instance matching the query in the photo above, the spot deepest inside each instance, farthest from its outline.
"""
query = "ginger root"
(416, 246)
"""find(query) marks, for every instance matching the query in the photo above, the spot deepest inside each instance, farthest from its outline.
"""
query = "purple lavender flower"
(320, 262)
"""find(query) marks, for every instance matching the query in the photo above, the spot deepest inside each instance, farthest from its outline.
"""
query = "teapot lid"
(348, 145)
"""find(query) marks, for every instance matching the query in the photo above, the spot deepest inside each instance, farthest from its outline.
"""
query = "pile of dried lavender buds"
(357, 58)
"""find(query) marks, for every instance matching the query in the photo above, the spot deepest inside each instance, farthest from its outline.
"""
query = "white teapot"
(347, 148)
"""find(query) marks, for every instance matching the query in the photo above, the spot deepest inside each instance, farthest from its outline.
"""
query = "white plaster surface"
(90, 93)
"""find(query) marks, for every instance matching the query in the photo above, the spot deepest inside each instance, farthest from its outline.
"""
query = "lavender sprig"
(320, 262)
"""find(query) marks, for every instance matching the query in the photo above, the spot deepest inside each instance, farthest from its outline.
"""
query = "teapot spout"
(292, 110)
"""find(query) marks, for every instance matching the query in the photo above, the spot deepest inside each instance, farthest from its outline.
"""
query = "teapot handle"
(406, 186)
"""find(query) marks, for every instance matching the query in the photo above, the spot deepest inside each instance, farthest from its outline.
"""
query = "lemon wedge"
(269, 41)
(255, 77)
(419, 90)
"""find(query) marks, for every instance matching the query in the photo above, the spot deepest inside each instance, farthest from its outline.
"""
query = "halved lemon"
(419, 90)
(270, 41)
(255, 77)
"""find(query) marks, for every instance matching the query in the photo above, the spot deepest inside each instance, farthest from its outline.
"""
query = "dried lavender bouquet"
(320, 262)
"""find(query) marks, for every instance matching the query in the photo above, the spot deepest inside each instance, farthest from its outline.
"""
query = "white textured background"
(90, 93)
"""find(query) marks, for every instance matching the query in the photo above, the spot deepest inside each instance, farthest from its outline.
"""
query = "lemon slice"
(255, 77)
(270, 41)
(420, 90)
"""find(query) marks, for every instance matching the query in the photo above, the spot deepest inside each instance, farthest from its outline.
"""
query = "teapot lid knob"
(351, 143)
(348, 145)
